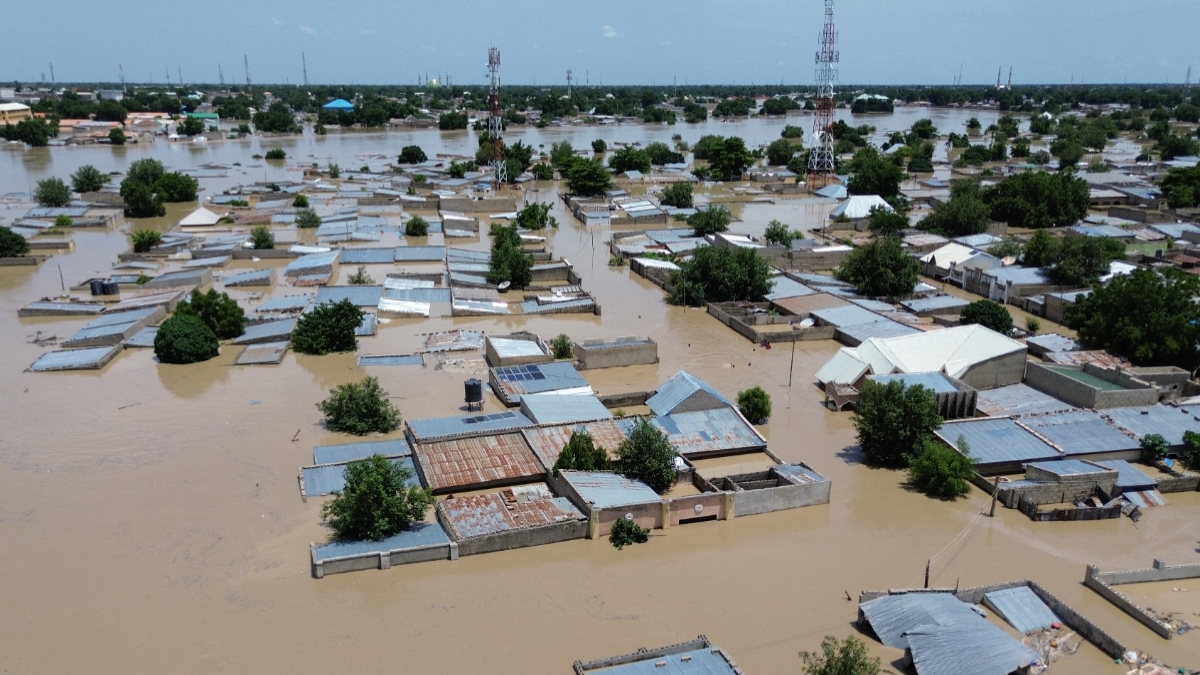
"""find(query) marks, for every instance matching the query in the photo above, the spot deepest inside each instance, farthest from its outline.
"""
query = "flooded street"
(152, 521)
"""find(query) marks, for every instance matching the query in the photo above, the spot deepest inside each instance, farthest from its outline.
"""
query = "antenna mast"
(568, 81)
(246, 62)
(221, 75)
(304, 60)
(495, 119)
(1187, 81)
(121, 67)
(1010, 78)
(821, 158)
(179, 69)
(52, 80)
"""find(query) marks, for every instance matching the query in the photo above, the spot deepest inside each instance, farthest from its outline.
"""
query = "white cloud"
(664, 43)
(306, 29)
(275, 21)
(611, 33)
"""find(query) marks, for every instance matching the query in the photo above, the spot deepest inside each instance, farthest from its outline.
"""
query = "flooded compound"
(152, 520)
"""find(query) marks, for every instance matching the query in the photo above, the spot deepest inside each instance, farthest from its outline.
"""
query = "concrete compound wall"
(759, 327)
(632, 398)
(1102, 584)
(381, 560)
(1058, 492)
(1184, 483)
(810, 261)
(710, 503)
(1083, 395)
(766, 500)
(468, 205)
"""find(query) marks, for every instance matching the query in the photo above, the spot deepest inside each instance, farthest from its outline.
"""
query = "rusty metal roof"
(1100, 358)
(709, 431)
(470, 463)
(548, 442)
(481, 515)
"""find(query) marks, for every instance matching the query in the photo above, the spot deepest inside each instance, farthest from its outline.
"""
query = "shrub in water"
(360, 408)
(626, 532)
(376, 502)
(185, 339)
(328, 328)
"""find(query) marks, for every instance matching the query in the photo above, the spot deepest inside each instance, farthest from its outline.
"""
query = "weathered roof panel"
(972, 647)
(607, 490)
(1017, 399)
(469, 463)
(708, 432)
(348, 452)
(678, 389)
(997, 440)
(548, 442)
(461, 425)
(1080, 432)
(327, 478)
(419, 534)
(891, 616)
(481, 515)
(1168, 421)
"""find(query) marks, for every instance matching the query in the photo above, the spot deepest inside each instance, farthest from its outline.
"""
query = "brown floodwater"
(152, 521)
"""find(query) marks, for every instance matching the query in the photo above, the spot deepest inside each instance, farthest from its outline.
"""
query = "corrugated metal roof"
(287, 303)
(327, 478)
(368, 326)
(313, 262)
(997, 440)
(800, 473)
(1100, 358)
(675, 391)
(267, 353)
(1019, 275)
(368, 256)
(860, 206)
(547, 442)
(467, 254)
(607, 490)
(1145, 498)
(252, 278)
(143, 338)
(952, 350)
(404, 307)
(1080, 432)
(539, 378)
(392, 360)
(1128, 475)
(563, 409)
(75, 359)
(891, 616)
(361, 296)
(805, 304)
(511, 347)
(877, 306)
(420, 253)
(862, 332)
(935, 382)
(532, 306)
(1168, 421)
(481, 515)
(1068, 467)
(695, 662)
(847, 315)
(347, 452)
(785, 287)
(1052, 342)
(708, 431)
(419, 534)
(418, 294)
(967, 648)
(271, 331)
(454, 341)
(462, 425)
(935, 304)
(466, 463)
(845, 367)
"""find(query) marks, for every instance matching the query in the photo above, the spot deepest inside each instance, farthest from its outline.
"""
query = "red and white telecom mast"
(821, 158)
(496, 119)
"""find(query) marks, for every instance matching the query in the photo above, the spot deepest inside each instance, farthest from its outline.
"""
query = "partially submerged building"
(623, 351)
(518, 349)
(697, 657)
(525, 515)
(510, 383)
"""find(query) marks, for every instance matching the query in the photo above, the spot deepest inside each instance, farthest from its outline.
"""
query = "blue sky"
(617, 41)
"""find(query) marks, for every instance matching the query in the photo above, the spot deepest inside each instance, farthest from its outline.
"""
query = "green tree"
(754, 404)
(184, 338)
(63, 221)
(886, 222)
(376, 502)
(942, 472)
(12, 245)
(893, 420)
(141, 201)
(328, 328)
(177, 187)
(300, 202)
(562, 155)
(509, 261)
(52, 192)
(588, 178)
(1039, 199)
(535, 216)
(542, 171)
(193, 126)
(880, 269)
(111, 111)
(144, 240)
(626, 532)
(360, 408)
(924, 129)
(1190, 455)
(581, 454)
(728, 158)
(988, 314)
(599, 146)
(648, 456)
(116, 136)
(1068, 152)
(629, 158)
(873, 174)
(307, 219)
(778, 233)
(221, 313)
(678, 194)
(35, 132)
(964, 214)
(262, 239)
(661, 154)
(277, 119)
(1154, 448)
(87, 179)
(276, 153)
(360, 277)
(710, 220)
(1083, 260)
(412, 154)
(780, 152)
(562, 347)
(1042, 250)
(720, 274)
(416, 227)
(1182, 186)
(839, 657)
(791, 131)
(460, 169)
(1149, 317)
(1176, 145)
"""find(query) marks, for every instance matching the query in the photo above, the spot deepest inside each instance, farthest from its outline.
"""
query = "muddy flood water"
(151, 519)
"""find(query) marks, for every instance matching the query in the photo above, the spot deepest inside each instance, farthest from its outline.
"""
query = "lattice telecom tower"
(496, 119)
(821, 158)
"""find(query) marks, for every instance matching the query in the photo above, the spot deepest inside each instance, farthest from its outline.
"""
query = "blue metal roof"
(1068, 467)
(346, 452)
(338, 104)
(287, 303)
(329, 478)
(973, 647)
(74, 359)
(1168, 421)
(310, 263)
(695, 662)
(556, 409)
(938, 383)
(708, 431)
(891, 616)
(445, 427)
(419, 534)
(997, 440)
(143, 338)
(785, 287)
(1128, 475)
(251, 278)
(606, 490)
(1080, 432)
(271, 331)
(678, 389)
(419, 253)
(368, 326)
(368, 256)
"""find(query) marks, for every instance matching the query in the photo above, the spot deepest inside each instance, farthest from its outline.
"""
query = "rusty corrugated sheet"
(548, 442)
(481, 515)
(1100, 358)
(465, 463)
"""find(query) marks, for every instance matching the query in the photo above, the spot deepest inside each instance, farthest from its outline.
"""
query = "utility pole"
(821, 160)
(167, 73)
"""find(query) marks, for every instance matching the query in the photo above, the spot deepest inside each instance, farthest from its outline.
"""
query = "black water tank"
(474, 391)
(97, 286)
(112, 288)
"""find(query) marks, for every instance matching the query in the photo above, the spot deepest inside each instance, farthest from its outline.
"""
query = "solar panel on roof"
(533, 369)
(539, 376)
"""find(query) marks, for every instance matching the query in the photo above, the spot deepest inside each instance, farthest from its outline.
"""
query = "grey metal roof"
(469, 267)
(368, 256)
(968, 648)
(708, 432)
(418, 294)
(1168, 421)
(800, 473)
(445, 427)
(607, 490)
(143, 338)
(361, 296)
(121, 318)
(469, 279)
(48, 308)
(997, 440)
(785, 287)
(467, 255)
(814, 279)
(1018, 275)
(215, 261)
(1017, 399)
(876, 306)
(935, 382)
(392, 360)
(891, 616)
(876, 329)
(419, 253)
(482, 306)
(513, 347)
(1128, 475)
(568, 409)
(266, 353)
(369, 324)
(680, 388)
(327, 478)
(695, 662)
(348, 452)
(847, 315)
(287, 303)
(941, 302)
(1081, 432)
(532, 306)
(539, 378)
(313, 262)
(252, 278)
(1068, 467)
(272, 331)
(1052, 342)
(419, 534)
(75, 359)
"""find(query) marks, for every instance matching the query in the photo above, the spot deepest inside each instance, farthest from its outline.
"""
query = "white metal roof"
(950, 254)
(859, 206)
(200, 216)
(952, 351)
(844, 368)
